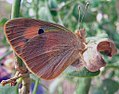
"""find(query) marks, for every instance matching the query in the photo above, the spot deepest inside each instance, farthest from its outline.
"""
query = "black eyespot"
(40, 31)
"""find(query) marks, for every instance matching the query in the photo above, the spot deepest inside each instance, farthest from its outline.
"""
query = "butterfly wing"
(46, 54)
(19, 31)
(50, 53)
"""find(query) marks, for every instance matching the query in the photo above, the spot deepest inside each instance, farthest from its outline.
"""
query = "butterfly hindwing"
(48, 54)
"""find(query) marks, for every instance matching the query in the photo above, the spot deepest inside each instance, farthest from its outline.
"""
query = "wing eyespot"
(40, 31)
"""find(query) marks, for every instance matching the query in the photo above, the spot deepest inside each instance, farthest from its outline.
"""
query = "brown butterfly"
(46, 48)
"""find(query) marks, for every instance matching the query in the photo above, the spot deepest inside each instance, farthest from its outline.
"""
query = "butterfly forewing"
(46, 54)
(19, 31)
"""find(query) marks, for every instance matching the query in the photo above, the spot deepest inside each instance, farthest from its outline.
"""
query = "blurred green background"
(101, 19)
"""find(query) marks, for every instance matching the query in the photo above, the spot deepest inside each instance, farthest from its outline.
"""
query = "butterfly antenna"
(79, 16)
(86, 8)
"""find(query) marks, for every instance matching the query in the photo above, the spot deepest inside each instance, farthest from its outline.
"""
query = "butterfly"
(47, 49)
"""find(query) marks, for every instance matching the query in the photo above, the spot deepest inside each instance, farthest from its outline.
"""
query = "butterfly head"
(81, 36)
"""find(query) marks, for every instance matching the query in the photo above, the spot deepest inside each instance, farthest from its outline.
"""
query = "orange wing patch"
(31, 32)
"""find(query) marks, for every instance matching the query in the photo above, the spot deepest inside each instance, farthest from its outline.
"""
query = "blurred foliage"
(108, 86)
(101, 19)
(8, 89)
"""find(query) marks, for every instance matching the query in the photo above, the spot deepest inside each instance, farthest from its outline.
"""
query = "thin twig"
(4, 82)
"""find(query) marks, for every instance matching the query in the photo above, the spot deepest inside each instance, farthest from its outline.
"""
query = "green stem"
(15, 9)
(36, 86)
(37, 8)
(113, 67)
(84, 86)
(26, 80)
(15, 14)
(17, 91)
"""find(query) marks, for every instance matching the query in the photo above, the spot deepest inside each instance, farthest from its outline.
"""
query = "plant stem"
(15, 9)
(36, 86)
(37, 8)
(84, 86)
(25, 80)
(15, 14)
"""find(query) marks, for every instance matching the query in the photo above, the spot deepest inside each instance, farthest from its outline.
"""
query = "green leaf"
(53, 6)
(83, 73)
(110, 86)
(3, 21)
(7, 89)
(4, 41)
